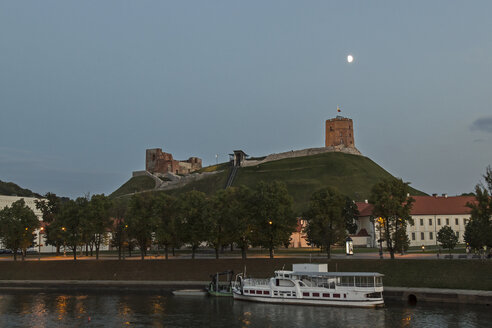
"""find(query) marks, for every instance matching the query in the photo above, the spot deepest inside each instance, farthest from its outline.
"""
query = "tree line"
(239, 217)
(243, 217)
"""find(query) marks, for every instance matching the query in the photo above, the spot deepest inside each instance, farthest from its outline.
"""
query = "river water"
(144, 310)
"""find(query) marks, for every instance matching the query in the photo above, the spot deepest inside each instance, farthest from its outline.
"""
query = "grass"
(135, 184)
(452, 274)
(351, 174)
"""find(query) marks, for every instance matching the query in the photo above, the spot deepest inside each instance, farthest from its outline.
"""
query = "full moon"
(350, 58)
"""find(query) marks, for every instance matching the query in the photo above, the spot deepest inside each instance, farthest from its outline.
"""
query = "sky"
(87, 86)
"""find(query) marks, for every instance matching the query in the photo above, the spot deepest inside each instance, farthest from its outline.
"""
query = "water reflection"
(140, 310)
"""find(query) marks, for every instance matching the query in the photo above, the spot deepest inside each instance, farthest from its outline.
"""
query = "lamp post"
(349, 246)
(380, 220)
(64, 244)
(39, 243)
(270, 222)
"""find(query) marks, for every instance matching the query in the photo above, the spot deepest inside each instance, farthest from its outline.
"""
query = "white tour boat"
(312, 284)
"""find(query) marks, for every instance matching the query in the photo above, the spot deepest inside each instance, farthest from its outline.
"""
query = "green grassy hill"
(351, 174)
(11, 189)
(135, 184)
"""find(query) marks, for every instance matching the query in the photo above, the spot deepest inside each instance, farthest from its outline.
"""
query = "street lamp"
(380, 221)
(270, 222)
(39, 243)
(64, 245)
(349, 246)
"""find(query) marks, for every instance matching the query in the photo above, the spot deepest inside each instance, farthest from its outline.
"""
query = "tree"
(70, 222)
(118, 212)
(141, 221)
(17, 225)
(220, 218)
(447, 238)
(167, 232)
(240, 226)
(351, 215)
(401, 240)
(273, 215)
(478, 231)
(193, 218)
(326, 220)
(392, 203)
(99, 220)
(50, 207)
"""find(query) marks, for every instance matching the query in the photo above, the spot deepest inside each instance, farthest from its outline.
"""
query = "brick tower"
(339, 131)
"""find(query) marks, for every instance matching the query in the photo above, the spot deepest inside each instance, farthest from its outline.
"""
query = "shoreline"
(400, 294)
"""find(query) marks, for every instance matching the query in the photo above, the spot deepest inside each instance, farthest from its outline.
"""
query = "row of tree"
(241, 216)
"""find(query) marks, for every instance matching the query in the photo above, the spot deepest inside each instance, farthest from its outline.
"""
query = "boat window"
(305, 294)
(275, 293)
(336, 295)
(301, 284)
(345, 281)
(287, 276)
(364, 281)
(266, 292)
(285, 283)
(326, 295)
(315, 294)
(379, 281)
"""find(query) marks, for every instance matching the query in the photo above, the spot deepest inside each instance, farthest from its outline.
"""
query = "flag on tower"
(338, 109)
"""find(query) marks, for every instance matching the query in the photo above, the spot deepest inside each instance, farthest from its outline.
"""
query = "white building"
(429, 213)
(30, 202)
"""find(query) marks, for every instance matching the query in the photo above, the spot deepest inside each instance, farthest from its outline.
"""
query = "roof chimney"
(445, 195)
(434, 195)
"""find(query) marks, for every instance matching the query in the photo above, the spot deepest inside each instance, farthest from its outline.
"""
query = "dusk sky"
(87, 86)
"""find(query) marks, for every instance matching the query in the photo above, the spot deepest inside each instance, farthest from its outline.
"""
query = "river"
(146, 310)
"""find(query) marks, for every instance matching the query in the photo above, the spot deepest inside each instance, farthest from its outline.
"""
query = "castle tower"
(339, 131)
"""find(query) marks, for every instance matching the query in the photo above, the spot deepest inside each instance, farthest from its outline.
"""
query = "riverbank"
(447, 274)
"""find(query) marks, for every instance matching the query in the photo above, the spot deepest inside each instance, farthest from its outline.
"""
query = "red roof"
(431, 205)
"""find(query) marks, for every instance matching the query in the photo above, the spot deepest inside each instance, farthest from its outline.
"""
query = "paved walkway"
(373, 256)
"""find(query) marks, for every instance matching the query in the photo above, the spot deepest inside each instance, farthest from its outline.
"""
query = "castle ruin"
(157, 161)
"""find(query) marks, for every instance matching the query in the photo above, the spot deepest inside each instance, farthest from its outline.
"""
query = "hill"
(11, 189)
(351, 174)
(135, 184)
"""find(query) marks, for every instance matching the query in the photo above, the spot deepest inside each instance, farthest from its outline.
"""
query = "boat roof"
(334, 274)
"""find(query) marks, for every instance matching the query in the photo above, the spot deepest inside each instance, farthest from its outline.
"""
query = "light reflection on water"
(143, 310)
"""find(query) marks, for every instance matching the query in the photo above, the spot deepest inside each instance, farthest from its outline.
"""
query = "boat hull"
(303, 301)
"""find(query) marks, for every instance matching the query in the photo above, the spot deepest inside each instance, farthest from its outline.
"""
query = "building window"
(422, 236)
(458, 235)
(456, 221)
(430, 222)
(421, 222)
(438, 221)
(413, 235)
(447, 221)
(431, 236)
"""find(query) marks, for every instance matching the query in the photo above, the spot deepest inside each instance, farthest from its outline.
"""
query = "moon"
(350, 59)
